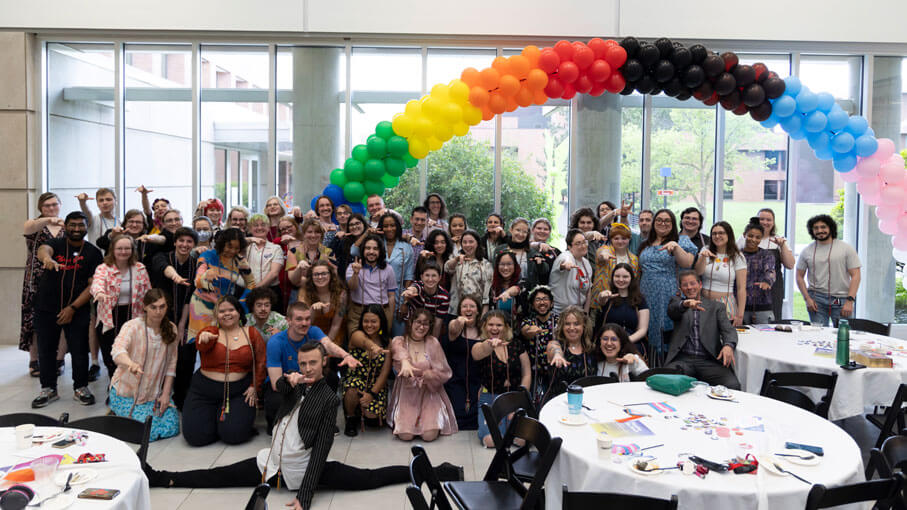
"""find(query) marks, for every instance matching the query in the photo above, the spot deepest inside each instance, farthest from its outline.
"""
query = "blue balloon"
(818, 140)
(826, 102)
(842, 142)
(792, 124)
(784, 107)
(799, 134)
(358, 207)
(792, 85)
(857, 125)
(334, 192)
(865, 145)
(806, 101)
(815, 122)
(825, 154)
(314, 200)
(870, 132)
(837, 120)
(845, 162)
(770, 122)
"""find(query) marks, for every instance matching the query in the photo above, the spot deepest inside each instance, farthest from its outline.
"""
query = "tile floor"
(371, 449)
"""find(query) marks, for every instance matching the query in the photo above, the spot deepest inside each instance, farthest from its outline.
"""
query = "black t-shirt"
(179, 294)
(620, 312)
(58, 289)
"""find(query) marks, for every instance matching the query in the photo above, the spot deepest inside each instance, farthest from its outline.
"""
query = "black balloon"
(648, 54)
(703, 91)
(655, 90)
(683, 96)
(730, 60)
(628, 89)
(631, 45)
(665, 47)
(761, 112)
(645, 84)
(632, 70)
(681, 57)
(730, 101)
(693, 76)
(725, 83)
(753, 94)
(774, 87)
(744, 75)
(713, 65)
(698, 52)
(741, 109)
(673, 87)
(664, 71)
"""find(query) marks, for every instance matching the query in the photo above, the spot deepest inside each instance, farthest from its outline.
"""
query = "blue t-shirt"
(282, 350)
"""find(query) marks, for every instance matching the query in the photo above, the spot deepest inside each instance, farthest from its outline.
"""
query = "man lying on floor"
(297, 457)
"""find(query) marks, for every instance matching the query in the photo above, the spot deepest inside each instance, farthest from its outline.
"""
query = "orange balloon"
(537, 79)
(532, 53)
(524, 96)
(478, 97)
(509, 85)
(519, 66)
(497, 103)
(539, 97)
(487, 114)
(489, 78)
(511, 104)
(470, 76)
(502, 65)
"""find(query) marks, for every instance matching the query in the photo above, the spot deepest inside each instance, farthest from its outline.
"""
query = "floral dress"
(658, 283)
(363, 379)
(578, 365)
(536, 348)
(33, 271)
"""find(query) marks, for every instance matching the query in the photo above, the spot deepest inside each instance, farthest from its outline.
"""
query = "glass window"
(234, 124)
(631, 153)
(158, 113)
(80, 138)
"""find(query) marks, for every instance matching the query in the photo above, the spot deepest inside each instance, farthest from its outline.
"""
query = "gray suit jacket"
(716, 330)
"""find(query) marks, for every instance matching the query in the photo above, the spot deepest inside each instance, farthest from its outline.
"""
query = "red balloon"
(564, 50)
(583, 56)
(583, 84)
(616, 56)
(597, 90)
(615, 83)
(599, 70)
(549, 60)
(568, 72)
(712, 100)
(554, 88)
(598, 47)
(569, 92)
(741, 110)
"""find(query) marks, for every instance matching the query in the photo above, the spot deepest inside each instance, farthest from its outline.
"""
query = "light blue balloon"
(845, 162)
(856, 125)
(806, 101)
(842, 142)
(815, 122)
(818, 141)
(870, 132)
(792, 124)
(770, 122)
(865, 145)
(792, 85)
(837, 120)
(826, 102)
(825, 154)
(784, 107)
(800, 134)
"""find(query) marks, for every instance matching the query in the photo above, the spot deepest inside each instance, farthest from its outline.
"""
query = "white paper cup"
(604, 446)
(24, 435)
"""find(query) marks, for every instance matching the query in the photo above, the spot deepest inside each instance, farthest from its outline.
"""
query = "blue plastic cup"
(574, 399)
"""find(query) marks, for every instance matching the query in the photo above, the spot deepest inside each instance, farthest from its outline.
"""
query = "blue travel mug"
(574, 399)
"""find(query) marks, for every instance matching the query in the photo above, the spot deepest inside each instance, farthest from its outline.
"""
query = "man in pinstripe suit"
(302, 437)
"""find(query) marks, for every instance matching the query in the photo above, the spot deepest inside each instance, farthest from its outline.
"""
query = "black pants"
(708, 370)
(202, 424)
(185, 366)
(245, 473)
(48, 334)
(272, 404)
(121, 314)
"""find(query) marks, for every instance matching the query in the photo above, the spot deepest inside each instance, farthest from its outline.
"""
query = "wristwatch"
(851, 299)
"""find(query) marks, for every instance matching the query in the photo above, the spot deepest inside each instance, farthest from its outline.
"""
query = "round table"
(761, 348)
(121, 471)
(580, 467)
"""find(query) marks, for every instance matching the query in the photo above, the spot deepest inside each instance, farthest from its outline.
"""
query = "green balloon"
(354, 171)
(397, 146)
(389, 180)
(384, 129)
(338, 177)
(373, 188)
(410, 161)
(353, 191)
(374, 169)
(360, 153)
(394, 166)
(377, 146)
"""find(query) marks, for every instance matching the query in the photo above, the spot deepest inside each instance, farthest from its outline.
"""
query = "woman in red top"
(223, 394)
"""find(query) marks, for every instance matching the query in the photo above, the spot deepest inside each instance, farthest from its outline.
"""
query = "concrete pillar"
(19, 143)
(595, 169)
(317, 127)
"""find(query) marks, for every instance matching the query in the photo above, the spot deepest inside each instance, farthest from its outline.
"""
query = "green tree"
(463, 172)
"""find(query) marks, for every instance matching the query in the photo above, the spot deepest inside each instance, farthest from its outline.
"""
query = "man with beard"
(646, 216)
(832, 268)
(61, 304)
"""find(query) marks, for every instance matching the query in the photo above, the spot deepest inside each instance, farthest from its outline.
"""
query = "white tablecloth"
(121, 471)
(760, 349)
(579, 466)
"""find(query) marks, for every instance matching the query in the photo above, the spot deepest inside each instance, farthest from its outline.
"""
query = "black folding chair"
(594, 380)
(554, 390)
(421, 472)
(777, 385)
(882, 491)
(259, 499)
(870, 326)
(124, 429)
(38, 420)
(504, 405)
(642, 376)
(892, 420)
(510, 493)
(613, 501)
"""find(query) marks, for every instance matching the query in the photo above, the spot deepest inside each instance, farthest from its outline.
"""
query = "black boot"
(352, 426)
(371, 423)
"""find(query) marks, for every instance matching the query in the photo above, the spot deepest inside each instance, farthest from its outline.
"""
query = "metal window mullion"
(790, 203)
(119, 140)
(196, 122)
(273, 157)
(43, 183)
(498, 141)
(423, 165)
(348, 97)
(861, 210)
(718, 181)
(646, 152)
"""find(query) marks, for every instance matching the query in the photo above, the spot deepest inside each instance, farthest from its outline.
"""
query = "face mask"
(204, 236)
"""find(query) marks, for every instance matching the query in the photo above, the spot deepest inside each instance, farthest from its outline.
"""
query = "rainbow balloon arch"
(599, 66)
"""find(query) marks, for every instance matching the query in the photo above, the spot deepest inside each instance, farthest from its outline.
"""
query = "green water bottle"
(842, 356)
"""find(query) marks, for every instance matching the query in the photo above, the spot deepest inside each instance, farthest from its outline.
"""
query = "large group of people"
(407, 324)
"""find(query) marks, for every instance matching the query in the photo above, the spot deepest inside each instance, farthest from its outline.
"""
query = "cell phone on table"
(105, 494)
(64, 443)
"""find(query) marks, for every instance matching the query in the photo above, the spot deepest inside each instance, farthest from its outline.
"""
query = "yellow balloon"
(451, 112)
(440, 92)
(443, 131)
(460, 129)
(472, 115)
(418, 148)
(424, 127)
(433, 143)
(459, 91)
(403, 125)
(413, 108)
(431, 107)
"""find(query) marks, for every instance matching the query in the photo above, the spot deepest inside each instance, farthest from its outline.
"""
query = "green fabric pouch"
(673, 384)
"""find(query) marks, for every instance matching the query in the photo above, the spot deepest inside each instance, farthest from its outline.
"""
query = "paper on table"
(616, 429)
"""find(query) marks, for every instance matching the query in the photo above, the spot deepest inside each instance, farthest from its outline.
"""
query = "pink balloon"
(888, 227)
(892, 170)
(902, 223)
(900, 241)
(868, 167)
(892, 194)
(869, 189)
(886, 149)
(887, 213)
(851, 176)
